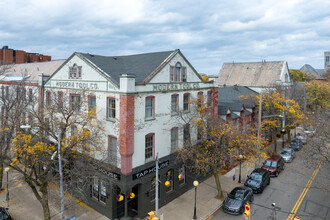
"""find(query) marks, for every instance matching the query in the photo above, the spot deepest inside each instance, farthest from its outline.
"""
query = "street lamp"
(240, 167)
(7, 193)
(196, 183)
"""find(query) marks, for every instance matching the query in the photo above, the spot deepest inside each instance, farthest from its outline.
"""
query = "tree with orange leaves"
(219, 142)
(80, 134)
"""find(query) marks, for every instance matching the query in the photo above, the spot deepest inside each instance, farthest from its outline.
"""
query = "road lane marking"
(303, 194)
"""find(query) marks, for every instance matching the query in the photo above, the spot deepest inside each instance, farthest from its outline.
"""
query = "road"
(290, 194)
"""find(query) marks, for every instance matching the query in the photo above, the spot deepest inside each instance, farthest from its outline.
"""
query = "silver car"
(287, 154)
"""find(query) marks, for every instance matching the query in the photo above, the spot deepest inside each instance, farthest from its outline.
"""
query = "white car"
(310, 131)
(302, 137)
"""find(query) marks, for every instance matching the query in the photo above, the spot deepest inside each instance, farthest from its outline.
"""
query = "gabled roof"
(30, 71)
(260, 74)
(232, 97)
(140, 65)
(309, 69)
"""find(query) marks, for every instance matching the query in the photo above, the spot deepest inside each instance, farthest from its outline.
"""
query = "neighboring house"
(258, 76)
(27, 72)
(138, 98)
(232, 106)
(317, 72)
(309, 69)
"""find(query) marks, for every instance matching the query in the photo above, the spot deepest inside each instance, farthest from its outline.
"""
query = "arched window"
(75, 72)
(178, 73)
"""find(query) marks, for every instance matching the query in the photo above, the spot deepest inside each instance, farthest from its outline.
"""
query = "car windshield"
(269, 163)
(294, 142)
(236, 194)
(255, 176)
(284, 152)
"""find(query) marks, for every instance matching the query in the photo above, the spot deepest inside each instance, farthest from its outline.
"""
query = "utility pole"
(156, 199)
(259, 126)
(61, 175)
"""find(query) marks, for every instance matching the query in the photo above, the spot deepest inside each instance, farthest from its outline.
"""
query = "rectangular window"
(99, 190)
(174, 139)
(200, 99)
(92, 103)
(169, 178)
(153, 189)
(149, 146)
(327, 59)
(199, 134)
(48, 99)
(60, 101)
(95, 187)
(209, 98)
(182, 173)
(30, 95)
(186, 100)
(174, 104)
(75, 103)
(112, 150)
(149, 107)
(172, 73)
(111, 108)
(177, 74)
(184, 74)
(74, 130)
(186, 134)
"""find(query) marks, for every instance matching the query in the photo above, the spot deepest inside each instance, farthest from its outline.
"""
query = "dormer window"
(178, 73)
(75, 72)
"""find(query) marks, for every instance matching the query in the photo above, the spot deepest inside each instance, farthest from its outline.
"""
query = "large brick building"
(140, 100)
(10, 56)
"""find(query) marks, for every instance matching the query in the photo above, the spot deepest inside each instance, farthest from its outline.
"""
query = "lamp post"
(240, 167)
(7, 193)
(196, 183)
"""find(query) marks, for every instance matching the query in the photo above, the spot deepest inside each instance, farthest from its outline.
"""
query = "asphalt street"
(289, 194)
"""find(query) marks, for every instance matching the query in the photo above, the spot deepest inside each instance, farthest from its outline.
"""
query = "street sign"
(71, 218)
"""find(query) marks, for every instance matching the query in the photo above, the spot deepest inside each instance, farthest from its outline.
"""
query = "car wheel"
(268, 181)
(252, 198)
(283, 167)
(261, 189)
(276, 174)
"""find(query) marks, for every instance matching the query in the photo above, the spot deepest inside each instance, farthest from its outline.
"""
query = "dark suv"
(274, 164)
(258, 180)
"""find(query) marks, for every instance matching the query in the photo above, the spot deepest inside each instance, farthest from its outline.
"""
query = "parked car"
(258, 180)
(296, 144)
(310, 131)
(274, 165)
(302, 137)
(236, 200)
(287, 154)
(4, 214)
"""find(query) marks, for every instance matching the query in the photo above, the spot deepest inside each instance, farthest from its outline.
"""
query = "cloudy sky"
(208, 32)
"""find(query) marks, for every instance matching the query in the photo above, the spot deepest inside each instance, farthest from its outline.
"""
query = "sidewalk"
(183, 207)
(24, 206)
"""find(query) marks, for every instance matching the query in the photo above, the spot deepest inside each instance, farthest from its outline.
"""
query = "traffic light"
(152, 216)
(247, 210)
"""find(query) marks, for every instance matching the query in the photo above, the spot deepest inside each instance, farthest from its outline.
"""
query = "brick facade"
(10, 56)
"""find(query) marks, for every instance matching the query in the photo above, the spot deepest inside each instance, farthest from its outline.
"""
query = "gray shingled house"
(255, 75)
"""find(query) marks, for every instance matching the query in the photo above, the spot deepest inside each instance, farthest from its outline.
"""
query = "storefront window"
(182, 174)
(99, 190)
(169, 178)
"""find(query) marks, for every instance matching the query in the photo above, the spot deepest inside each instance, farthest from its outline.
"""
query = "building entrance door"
(133, 203)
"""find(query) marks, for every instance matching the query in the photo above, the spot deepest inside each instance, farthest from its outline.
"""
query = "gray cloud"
(207, 32)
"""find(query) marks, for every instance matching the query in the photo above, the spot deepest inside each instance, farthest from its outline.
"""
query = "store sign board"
(150, 170)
